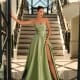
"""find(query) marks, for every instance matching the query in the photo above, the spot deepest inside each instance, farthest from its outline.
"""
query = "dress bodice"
(40, 29)
(37, 67)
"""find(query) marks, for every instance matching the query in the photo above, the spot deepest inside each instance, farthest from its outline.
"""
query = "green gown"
(37, 67)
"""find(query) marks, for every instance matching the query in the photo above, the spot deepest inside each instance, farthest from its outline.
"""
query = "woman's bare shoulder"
(45, 18)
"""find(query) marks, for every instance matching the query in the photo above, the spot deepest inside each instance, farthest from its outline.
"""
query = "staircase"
(27, 33)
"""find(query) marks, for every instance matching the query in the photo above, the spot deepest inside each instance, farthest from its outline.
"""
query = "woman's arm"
(49, 30)
(22, 22)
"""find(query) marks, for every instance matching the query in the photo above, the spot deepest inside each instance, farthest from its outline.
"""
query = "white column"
(74, 37)
(13, 11)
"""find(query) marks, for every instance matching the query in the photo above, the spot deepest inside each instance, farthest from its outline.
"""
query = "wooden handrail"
(60, 13)
(17, 15)
(15, 30)
(64, 27)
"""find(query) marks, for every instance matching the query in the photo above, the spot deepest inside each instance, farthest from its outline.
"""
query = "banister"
(64, 27)
(15, 30)
(17, 15)
(0, 40)
(61, 11)
(4, 17)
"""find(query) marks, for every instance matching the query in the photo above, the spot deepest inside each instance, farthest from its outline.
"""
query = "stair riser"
(31, 36)
(29, 41)
(27, 47)
(33, 32)
(33, 29)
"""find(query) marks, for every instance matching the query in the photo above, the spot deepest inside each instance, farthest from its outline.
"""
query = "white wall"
(73, 1)
(74, 41)
(71, 11)
(2, 1)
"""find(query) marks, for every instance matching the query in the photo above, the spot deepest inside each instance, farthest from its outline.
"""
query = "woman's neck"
(38, 17)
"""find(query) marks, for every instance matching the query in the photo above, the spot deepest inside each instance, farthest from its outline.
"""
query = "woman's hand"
(21, 22)
(17, 20)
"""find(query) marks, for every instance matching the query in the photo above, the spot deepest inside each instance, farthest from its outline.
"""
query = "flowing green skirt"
(37, 67)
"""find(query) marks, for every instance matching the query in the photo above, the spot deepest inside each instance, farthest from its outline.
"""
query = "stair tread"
(30, 39)
(26, 52)
(28, 45)
(33, 32)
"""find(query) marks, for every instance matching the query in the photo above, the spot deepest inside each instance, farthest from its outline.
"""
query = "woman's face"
(40, 12)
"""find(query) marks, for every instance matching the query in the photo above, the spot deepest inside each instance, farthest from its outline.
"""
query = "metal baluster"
(9, 41)
(32, 6)
(17, 5)
(47, 6)
(78, 73)
(0, 39)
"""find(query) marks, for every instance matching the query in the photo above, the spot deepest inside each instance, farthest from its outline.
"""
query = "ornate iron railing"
(65, 30)
(64, 2)
(78, 72)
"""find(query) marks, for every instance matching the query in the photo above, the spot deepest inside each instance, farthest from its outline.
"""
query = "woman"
(39, 65)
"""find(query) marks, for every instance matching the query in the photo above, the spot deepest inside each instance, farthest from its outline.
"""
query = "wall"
(71, 10)
(74, 37)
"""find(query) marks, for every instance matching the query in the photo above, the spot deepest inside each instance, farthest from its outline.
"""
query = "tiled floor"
(66, 67)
